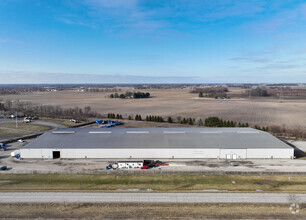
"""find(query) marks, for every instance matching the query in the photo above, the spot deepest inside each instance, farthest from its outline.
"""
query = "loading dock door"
(233, 154)
(56, 154)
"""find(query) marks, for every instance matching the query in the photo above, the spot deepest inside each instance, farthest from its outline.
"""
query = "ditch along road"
(80, 197)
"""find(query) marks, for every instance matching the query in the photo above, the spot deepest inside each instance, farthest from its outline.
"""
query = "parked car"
(3, 168)
(17, 115)
(2, 146)
(27, 120)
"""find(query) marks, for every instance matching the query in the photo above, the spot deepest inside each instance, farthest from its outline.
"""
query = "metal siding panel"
(126, 153)
(270, 153)
(241, 153)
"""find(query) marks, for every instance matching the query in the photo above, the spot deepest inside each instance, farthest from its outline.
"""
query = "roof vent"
(63, 132)
(137, 132)
(174, 132)
(99, 132)
(248, 132)
(211, 132)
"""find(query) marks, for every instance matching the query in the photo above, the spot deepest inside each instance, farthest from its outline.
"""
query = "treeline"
(214, 95)
(214, 122)
(287, 132)
(211, 92)
(47, 110)
(129, 95)
(208, 122)
(17, 90)
(191, 121)
(162, 86)
(95, 89)
(217, 122)
(154, 118)
(113, 116)
(259, 92)
(138, 118)
(262, 128)
(213, 89)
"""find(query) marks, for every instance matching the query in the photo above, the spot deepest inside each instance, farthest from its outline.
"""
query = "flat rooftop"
(156, 138)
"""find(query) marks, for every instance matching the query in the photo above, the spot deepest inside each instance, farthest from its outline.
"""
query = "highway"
(58, 197)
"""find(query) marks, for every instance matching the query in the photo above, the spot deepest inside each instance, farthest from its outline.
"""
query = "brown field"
(179, 102)
(147, 211)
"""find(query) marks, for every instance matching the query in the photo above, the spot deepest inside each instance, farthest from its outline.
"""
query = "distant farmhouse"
(142, 143)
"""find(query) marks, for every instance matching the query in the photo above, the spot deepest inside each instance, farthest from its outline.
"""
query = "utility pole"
(16, 120)
(281, 95)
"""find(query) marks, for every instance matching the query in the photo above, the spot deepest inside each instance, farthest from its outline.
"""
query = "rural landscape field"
(288, 112)
(153, 109)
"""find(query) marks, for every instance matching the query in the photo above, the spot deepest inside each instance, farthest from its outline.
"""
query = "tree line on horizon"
(49, 111)
(130, 95)
(208, 122)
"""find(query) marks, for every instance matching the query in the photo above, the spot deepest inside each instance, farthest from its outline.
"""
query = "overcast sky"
(157, 41)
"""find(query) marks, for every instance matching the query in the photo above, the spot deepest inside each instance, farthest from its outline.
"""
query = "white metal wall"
(270, 153)
(121, 153)
(240, 153)
(158, 153)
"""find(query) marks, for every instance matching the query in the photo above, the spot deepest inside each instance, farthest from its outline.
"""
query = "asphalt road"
(46, 197)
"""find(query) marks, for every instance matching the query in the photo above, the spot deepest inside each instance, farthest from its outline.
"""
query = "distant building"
(153, 143)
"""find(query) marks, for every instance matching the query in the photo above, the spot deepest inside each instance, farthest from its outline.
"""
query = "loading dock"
(56, 154)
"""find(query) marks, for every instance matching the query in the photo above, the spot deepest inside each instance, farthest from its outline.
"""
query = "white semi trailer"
(15, 153)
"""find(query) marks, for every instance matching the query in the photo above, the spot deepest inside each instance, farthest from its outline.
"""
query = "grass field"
(179, 102)
(64, 122)
(147, 211)
(156, 182)
(13, 132)
(27, 127)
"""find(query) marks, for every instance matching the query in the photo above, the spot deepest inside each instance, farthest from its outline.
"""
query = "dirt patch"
(214, 164)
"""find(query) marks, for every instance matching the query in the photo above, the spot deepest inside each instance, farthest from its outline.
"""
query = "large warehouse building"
(224, 143)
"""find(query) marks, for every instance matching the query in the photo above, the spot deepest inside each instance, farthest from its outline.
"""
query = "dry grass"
(27, 126)
(147, 211)
(156, 182)
(13, 132)
(179, 102)
(64, 122)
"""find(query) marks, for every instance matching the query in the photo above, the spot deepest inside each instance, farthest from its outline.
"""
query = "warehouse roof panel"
(180, 138)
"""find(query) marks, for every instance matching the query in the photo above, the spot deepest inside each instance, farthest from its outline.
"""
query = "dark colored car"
(3, 168)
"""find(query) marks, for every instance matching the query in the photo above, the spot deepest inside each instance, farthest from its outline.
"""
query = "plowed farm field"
(180, 103)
